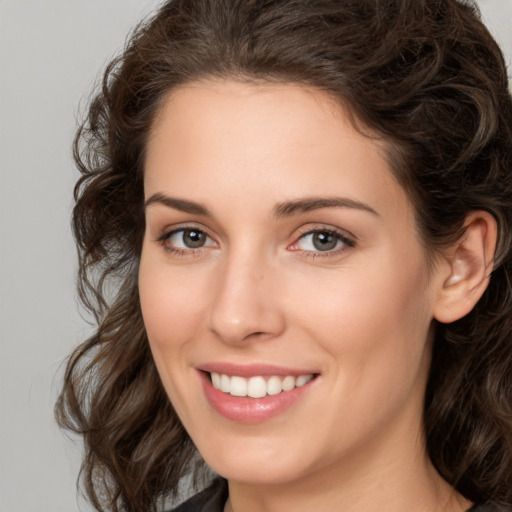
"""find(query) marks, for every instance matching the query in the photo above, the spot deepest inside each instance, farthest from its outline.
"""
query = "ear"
(470, 263)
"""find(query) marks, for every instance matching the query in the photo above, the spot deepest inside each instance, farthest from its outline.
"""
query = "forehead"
(234, 138)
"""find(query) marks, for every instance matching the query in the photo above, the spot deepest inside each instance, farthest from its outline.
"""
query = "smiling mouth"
(257, 386)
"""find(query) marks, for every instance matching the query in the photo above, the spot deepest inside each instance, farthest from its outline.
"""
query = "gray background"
(51, 52)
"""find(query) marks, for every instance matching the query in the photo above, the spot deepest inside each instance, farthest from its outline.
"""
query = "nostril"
(257, 335)
(235, 319)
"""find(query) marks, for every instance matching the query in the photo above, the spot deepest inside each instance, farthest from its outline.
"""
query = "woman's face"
(281, 255)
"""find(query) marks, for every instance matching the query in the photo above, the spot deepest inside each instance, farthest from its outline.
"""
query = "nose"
(245, 304)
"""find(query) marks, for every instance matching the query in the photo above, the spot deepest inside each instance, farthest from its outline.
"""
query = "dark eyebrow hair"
(281, 210)
(314, 203)
(178, 204)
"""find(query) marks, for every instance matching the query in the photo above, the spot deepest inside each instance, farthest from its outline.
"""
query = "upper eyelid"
(300, 232)
(316, 228)
(170, 230)
(165, 236)
(347, 241)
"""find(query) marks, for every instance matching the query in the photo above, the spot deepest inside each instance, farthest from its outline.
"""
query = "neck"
(382, 494)
(363, 483)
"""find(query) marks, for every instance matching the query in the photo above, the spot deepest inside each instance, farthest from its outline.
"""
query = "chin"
(249, 472)
(257, 461)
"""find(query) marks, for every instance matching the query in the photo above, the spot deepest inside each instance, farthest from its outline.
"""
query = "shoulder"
(212, 499)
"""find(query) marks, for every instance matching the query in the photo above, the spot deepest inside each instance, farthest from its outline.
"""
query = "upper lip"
(252, 370)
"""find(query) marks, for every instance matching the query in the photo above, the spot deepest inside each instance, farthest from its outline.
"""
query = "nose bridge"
(245, 303)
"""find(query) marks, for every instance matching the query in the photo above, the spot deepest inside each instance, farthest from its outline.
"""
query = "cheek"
(373, 321)
(172, 304)
(380, 300)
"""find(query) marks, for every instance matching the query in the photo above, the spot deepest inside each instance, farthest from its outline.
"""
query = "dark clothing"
(487, 508)
(213, 499)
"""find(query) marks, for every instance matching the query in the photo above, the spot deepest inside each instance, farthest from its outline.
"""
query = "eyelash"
(347, 243)
(178, 251)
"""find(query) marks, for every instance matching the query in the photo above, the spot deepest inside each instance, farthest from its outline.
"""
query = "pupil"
(193, 239)
(324, 241)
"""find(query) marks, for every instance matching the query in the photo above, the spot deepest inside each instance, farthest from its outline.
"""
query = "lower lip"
(251, 410)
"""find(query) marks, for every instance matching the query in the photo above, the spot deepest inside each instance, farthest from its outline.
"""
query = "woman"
(294, 231)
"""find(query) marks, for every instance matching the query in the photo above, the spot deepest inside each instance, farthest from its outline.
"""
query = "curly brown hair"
(426, 76)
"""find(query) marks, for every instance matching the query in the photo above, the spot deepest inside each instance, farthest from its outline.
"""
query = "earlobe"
(470, 262)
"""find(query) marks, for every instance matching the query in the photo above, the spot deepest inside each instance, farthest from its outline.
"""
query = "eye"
(185, 239)
(322, 241)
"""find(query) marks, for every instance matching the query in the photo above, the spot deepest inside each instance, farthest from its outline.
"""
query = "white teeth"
(257, 387)
(274, 386)
(238, 386)
(224, 383)
(216, 380)
(303, 379)
(288, 383)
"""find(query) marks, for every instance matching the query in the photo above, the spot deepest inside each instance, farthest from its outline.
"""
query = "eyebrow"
(178, 204)
(285, 209)
(315, 203)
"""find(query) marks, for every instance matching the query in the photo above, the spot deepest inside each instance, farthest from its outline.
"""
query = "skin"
(258, 291)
